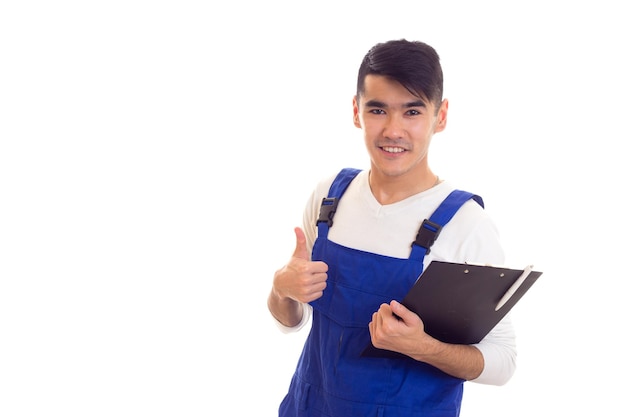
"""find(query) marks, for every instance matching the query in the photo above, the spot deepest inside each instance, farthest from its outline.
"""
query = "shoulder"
(322, 188)
(470, 236)
(320, 191)
(473, 206)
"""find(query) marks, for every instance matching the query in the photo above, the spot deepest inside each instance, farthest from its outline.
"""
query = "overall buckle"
(327, 210)
(427, 234)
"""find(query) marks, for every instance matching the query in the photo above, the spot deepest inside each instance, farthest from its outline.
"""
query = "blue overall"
(332, 378)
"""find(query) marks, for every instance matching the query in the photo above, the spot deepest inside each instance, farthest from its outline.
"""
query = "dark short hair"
(413, 64)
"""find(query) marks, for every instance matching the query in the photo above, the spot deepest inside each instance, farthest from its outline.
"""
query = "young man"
(356, 255)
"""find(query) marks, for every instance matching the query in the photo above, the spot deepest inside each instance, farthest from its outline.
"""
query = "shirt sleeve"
(499, 353)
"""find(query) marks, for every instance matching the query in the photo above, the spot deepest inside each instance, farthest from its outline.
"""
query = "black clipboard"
(457, 302)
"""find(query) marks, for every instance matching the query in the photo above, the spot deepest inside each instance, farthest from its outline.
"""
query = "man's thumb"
(301, 250)
(401, 311)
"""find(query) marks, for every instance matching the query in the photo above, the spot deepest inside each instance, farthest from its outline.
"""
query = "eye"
(377, 111)
(413, 112)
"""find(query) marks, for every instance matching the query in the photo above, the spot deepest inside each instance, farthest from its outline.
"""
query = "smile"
(392, 149)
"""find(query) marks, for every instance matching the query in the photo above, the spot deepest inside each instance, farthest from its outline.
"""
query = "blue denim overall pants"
(332, 378)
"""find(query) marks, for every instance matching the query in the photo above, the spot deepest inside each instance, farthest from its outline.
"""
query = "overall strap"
(430, 228)
(329, 204)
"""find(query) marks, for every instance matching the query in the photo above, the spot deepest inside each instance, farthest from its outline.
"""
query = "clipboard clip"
(518, 282)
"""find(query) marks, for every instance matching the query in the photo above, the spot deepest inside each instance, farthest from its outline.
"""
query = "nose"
(394, 126)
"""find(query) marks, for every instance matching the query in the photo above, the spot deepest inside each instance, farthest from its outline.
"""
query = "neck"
(389, 189)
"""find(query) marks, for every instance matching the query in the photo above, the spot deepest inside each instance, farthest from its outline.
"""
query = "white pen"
(509, 293)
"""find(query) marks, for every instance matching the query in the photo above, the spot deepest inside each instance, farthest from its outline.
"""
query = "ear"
(355, 112)
(442, 116)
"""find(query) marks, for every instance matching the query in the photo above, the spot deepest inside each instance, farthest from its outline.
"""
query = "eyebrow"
(382, 105)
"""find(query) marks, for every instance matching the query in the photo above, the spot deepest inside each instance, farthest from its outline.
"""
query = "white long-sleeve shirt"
(471, 236)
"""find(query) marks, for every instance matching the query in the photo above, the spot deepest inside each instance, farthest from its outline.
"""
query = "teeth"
(392, 150)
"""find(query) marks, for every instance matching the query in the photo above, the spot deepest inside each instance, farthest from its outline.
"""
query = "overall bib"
(332, 378)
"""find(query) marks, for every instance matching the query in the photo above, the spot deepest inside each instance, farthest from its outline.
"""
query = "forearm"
(461, 361)
(287, 311)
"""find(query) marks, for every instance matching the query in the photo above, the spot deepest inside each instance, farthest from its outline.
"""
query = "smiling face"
(398, 127)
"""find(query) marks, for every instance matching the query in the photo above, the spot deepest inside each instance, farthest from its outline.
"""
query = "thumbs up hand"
(301, 279)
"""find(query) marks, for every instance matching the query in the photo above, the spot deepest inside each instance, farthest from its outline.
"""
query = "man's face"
(397, 126)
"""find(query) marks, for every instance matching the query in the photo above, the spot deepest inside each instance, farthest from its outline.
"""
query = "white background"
(155, 157)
